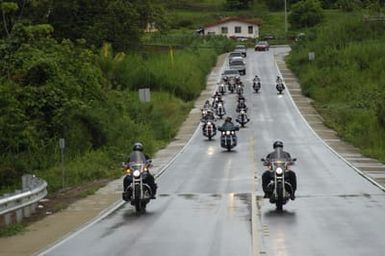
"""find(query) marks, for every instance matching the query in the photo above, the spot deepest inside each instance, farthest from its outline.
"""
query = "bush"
(307, 13)
(345, 80)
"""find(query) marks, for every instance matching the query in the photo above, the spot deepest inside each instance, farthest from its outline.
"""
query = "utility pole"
(285, 17)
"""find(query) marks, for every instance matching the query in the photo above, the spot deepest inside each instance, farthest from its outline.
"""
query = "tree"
(307, 13)
(237, 4)
(7, 9)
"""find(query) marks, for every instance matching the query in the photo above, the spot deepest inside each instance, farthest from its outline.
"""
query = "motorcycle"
(140, 191)
(280, 87)
(241, 106)
(231, 85)
(220, 110)
(228, 138)
(209, 130)
(239, 89)
(256, 85)
(217, 99)
(280, 187)
(242, 118)
(222, 88)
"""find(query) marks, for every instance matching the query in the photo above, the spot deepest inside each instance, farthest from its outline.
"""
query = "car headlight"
(136, 173)
(279, 171)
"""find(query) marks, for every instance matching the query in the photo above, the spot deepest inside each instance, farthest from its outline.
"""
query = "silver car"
(242, 49)
(239, 65)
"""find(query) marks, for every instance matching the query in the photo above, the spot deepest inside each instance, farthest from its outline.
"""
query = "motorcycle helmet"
(138, 146)
(278, 144)
(228, 119)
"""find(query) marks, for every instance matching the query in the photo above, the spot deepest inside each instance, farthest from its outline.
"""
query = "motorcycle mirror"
(124, 164)
(294, 159)
(149, 161)
(262, 159)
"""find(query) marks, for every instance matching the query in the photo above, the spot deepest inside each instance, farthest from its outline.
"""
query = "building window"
(250, 29)
(224, 30)
(237, 30)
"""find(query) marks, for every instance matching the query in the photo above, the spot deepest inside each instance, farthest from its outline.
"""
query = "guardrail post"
(19, 215)
(27, 212)
(7, 219)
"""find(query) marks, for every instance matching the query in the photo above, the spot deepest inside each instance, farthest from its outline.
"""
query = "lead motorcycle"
(209, 130)
(228, 138)
(280, 186)
(140, 191)
(256, 84)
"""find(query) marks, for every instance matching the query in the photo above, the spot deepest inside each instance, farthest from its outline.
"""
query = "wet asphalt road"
(204, 206)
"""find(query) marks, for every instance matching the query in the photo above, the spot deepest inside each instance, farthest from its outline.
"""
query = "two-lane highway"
(204, 206)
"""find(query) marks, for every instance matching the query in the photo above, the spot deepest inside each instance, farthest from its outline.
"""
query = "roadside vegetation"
(346, 79)
(54, 84)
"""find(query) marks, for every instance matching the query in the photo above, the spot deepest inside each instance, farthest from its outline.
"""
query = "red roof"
(227, 19)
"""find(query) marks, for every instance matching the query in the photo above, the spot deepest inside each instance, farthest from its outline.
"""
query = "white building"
(233, 27)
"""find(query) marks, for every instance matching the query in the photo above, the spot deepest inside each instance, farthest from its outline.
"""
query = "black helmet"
(278, 144)
(138, 146)
(228, 119)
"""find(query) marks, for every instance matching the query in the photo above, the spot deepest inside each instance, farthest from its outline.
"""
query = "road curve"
(205, 202)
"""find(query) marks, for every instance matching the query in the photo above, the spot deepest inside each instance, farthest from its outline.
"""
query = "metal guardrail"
(14, 207)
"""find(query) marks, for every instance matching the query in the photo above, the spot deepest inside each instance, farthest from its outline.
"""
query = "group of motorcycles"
(215, 110)
(210, 113)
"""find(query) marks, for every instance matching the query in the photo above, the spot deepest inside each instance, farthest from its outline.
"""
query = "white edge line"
(370, 179)
(107, 211)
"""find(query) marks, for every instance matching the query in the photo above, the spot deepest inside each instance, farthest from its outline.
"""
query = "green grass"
(12, 230)
(346, 78)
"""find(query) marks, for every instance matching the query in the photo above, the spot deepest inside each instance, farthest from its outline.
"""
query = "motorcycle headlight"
(232, 132)
(136, 173)
(279, 171)
(228, 132)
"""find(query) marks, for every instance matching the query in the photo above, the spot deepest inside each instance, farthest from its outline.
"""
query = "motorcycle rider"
(256, 79)
(241, 105)
(207, 105)
(137, 155)
(209, 116)
(228, 125)
(267, 176)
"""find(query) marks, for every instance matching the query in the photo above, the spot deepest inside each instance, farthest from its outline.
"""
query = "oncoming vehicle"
(230, 73)
(234, 55)
(242, 49)
(238, 65)
(262, 46)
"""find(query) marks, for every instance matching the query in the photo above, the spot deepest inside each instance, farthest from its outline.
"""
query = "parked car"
(262, 46)
(239, 65)
(242, 49)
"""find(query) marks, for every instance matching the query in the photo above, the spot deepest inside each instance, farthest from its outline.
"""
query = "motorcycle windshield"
(136, 166)
(278, 163)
